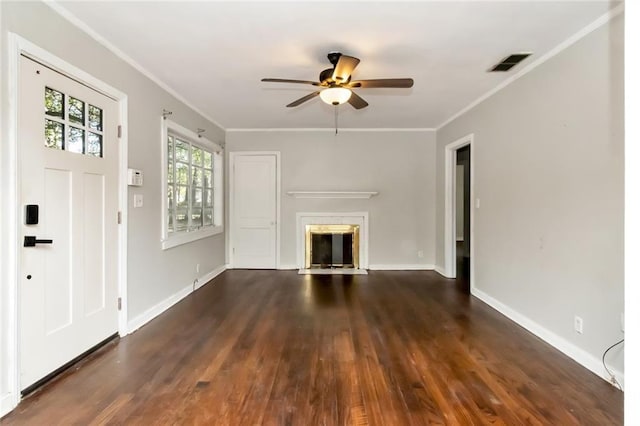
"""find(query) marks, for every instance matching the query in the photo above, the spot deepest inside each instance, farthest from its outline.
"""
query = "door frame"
(450, 207)
(10, 260)
(232, 158)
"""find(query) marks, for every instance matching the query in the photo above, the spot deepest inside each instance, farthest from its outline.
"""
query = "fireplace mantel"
(332, 194)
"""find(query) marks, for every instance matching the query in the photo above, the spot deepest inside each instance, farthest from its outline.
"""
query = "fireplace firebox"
(332, 246)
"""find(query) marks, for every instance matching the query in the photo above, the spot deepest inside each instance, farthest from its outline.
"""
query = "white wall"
(549, 164)
(400, 165)
(153, 274)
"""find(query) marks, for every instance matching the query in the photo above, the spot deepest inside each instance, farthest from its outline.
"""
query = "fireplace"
(329, 246)
(332, 242)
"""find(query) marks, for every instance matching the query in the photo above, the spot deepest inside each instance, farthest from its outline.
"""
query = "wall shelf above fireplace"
(332, 194)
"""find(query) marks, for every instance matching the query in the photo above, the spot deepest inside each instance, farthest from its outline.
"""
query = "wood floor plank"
(277, 348)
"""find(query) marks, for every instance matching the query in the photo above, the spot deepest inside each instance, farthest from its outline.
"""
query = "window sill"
(187, 237)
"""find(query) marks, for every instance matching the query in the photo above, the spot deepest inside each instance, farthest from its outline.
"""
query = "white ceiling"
(213, 54)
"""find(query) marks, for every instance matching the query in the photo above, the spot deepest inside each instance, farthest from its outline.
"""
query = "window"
(192, 190)
(71, 124)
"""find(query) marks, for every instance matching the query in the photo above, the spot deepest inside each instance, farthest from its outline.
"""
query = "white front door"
(253, 225)
(67, 137)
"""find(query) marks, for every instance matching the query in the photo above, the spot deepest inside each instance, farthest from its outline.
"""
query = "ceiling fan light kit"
(337, 86)
(335, 95)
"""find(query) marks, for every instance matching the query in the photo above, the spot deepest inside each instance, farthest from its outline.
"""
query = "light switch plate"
(138, 200)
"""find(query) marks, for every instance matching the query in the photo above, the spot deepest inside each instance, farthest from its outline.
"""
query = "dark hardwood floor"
(278, 348)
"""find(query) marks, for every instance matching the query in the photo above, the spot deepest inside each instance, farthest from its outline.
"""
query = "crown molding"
(541, 60)
(77, 22)
(331, 129)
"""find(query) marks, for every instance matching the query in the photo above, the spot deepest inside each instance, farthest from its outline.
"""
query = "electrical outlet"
(197, 267)
(577, 324)
(420, 254)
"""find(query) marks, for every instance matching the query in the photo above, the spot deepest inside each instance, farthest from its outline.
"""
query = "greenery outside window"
(192, 190)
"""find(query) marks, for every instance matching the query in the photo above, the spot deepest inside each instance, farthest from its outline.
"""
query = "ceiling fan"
(336, 84)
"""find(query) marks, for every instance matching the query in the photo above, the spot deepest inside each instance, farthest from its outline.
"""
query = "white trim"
(449, 270)
(16, 46)
(77, 22)
(541, 60)
(339, 218)
(440, 270)
(7, 404)
(333, 194)
(287, 267)
(209, 276)
(178, 238)
(322, 129)
(402, 267)
(232, 157)
(123, 228)
(159, 308)
(579, 355)
(162, 306)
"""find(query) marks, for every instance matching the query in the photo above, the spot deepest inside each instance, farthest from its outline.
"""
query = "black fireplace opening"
(334, 250)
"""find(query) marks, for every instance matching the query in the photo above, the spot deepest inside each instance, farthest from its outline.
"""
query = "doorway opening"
(459, 206)
(463, 216)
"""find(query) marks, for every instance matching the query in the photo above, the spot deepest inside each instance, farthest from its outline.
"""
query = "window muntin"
(193, 191)
(72, 124)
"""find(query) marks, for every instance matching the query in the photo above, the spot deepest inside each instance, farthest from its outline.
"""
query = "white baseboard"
(582, 357)
(210, 275)
(159, 308)
(287, 267)
(7, 403)
(407, 267)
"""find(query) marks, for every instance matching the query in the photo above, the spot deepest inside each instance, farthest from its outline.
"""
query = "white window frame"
(183, 237)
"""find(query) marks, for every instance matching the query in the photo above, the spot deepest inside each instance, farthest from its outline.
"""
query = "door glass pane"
(197, 176)
(53, 102)
(170, 147)
(207, 160)
(76, 140)
(208, 198)
(94, 145)
(196, 156)
(208, 183)
(182, 151)
(170, 197)
(53, 134)
(181, 220)
(76, 110)
(182, 173)
(95, 118)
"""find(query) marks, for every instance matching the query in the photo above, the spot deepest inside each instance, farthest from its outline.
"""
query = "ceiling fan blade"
(285, 80)
(303, 99)
(383, 82)
(356, 101)
(344, 68)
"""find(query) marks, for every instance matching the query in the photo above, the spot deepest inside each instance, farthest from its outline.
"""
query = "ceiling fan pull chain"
(336, 120)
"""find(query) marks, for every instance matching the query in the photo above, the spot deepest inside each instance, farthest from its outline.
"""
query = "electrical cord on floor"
(613, 377)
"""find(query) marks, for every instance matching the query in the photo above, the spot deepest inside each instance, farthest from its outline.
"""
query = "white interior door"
(254, 204)
(69, 169)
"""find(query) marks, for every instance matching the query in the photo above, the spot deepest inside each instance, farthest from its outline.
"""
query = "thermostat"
(134, 177)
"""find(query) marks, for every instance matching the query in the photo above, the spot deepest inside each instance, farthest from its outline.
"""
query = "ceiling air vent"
(509, 62)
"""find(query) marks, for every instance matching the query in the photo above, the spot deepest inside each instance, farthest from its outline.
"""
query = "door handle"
(31, 241)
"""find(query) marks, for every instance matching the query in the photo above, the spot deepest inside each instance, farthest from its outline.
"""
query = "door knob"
(31, 241)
